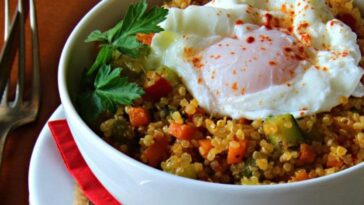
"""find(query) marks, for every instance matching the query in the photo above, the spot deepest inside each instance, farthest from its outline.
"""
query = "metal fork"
(20, 111)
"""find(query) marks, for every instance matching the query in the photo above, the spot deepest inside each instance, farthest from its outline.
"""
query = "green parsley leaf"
(139, 20)
(113, 31)
(129, 45)
(106, 37)
(122, 37)
(108, 91)
(103, 57)
(89, 106)
(97, 36)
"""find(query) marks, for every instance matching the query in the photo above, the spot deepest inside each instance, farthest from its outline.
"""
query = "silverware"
(20, 111)
(6, 34)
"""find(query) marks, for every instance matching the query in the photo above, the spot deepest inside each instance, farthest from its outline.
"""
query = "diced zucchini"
(283, 131)
(189, 172)
(246, 171)
(131, 64)
(181, 166)
(118, 129)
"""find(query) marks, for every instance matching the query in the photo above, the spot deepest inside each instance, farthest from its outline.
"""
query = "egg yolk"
(248, 63)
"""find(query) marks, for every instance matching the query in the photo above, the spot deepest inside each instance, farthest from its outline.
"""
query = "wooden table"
(56, 19)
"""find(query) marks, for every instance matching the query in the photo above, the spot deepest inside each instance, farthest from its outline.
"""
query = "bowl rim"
(72, 115)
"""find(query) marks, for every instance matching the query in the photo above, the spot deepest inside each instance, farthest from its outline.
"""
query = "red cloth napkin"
(77, 166)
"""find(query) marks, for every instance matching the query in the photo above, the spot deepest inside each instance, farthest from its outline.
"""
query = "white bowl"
(132, 182)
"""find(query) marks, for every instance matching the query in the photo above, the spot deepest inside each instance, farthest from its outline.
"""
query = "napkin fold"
(77, 166)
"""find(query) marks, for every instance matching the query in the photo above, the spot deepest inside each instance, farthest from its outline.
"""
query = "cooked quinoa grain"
(179, 137)
(336, 139)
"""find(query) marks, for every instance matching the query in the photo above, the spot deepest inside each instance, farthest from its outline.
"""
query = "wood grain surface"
(56, 19)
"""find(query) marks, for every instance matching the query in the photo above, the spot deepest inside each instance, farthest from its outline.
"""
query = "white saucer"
(49, 181)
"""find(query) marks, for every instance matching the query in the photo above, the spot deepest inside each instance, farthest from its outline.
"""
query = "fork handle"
(4, 131)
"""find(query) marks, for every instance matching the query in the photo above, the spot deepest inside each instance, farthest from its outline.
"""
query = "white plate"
(49, 181)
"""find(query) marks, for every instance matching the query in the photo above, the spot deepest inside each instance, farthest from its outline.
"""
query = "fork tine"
(7, 20)
(4, 98)
(21, 70)
(35, 55)
(8, 53)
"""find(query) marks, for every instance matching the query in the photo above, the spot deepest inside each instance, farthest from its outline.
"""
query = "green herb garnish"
(103, 87)
(109, 91)
(122, 37)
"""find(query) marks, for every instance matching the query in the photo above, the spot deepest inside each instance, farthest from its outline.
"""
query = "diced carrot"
(333, 161)
(236, 153)
(138, 116)
(182, 131)
(307, 154)
(300, 175)
(145, 38)
(160, 88)
(205, 146)
(157, 152)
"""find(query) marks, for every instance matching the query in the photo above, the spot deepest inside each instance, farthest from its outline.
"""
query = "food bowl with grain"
(235, 102)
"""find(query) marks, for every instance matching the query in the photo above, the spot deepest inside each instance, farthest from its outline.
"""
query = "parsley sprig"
(109, 90)
(122, 37)
(103, 87)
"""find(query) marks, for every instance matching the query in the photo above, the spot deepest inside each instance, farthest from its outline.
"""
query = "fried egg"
(253, 59)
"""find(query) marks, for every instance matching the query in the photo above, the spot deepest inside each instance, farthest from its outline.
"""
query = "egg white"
(331, 43)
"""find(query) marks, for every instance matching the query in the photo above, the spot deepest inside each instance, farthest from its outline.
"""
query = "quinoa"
(184, 3)
(336, 138)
